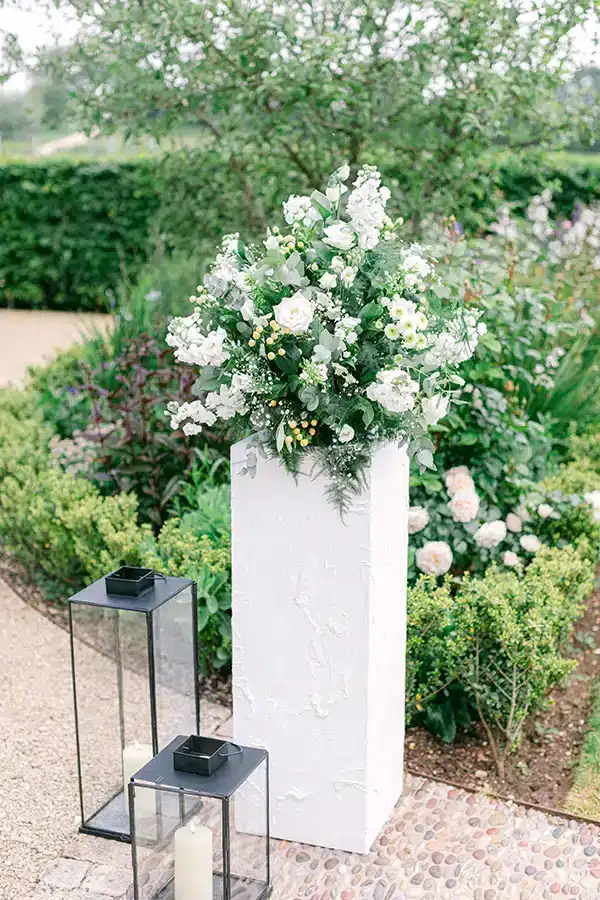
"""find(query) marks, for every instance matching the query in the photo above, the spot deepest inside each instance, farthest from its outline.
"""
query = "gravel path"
(440, 842)
(30, 337)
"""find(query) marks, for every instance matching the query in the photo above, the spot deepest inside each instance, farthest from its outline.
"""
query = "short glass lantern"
(200, 814)
(135, 694)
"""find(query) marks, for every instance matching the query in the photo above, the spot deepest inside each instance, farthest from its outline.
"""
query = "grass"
(584, 796)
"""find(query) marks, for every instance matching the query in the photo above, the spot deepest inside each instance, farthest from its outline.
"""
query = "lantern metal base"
(241, 889)
(114, 810)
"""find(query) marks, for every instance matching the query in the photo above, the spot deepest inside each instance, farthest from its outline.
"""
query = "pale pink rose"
(434, 558)
(490, 534)
(514, 523)
(418, 518)
(464, 506)
(458, 479)
(530, 543)
(510, 559)
(544, 510)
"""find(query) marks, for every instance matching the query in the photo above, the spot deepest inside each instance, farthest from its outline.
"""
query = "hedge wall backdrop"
(73, 231)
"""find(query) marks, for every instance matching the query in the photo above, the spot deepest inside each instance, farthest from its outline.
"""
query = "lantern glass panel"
(175, 666)
(201, 837)
(113, 709)
(135, 694)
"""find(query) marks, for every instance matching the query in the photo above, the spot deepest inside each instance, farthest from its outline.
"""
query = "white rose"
(510, 559)
(295, 313)
(530, 543)
(345, 434)
(418, 519)
(458, 479)
(434, 408)
(434, 558)
(544, 510)
(514, 523)
(328, 280)
(490, 534)
(339, 236)
(464, 506)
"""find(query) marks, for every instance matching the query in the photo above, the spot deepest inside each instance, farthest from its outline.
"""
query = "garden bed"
(541, 770)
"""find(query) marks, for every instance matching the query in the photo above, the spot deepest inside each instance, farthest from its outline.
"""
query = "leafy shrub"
(494, 651)
(71, 231)
(60, 526)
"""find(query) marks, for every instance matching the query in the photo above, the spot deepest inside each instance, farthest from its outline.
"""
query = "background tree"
(425, 89)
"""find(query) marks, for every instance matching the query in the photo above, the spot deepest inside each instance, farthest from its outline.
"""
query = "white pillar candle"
(134, 757)
(193, 863)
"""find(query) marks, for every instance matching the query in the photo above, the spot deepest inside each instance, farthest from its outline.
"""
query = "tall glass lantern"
(135, 690)
(200, 822)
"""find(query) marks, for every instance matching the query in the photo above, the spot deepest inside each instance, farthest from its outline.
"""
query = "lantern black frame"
(162, 776)
(162, 589)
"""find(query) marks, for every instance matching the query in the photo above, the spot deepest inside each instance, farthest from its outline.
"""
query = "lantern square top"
(162, 588)
(221, 785)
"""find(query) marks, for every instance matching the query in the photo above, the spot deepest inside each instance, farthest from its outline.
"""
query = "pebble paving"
(440, 842)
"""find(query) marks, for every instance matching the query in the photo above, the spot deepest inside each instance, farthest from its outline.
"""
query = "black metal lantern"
(200, 822)
(138, 692)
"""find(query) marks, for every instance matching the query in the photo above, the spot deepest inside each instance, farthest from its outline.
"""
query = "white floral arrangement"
(330, 339)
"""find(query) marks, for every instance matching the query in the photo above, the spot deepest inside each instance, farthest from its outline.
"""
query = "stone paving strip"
(440, 842)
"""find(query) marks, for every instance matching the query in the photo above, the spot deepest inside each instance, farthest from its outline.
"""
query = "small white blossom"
(328, 280)
(345, 434)
(337, 264)
(434, 408)
(347, 275)
(299, 210)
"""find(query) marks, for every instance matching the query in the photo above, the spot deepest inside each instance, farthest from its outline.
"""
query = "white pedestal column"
(319, 645)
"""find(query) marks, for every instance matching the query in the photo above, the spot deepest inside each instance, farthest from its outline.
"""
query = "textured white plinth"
(319, 645)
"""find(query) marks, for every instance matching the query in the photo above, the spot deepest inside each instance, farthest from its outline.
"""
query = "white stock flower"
(490, 534)
(418, 519)
(514, 523)
(530, 543)
(295, 312)
(345, 434)
(227, 402)
(510, 559)
(544, 510)
(464, 506)
(195, 348)
(394, 390)
(300, 210)
(339, 236)
(434, 558)
(196, 412)
(328, 280)
(458, 479)
(434, 408)
(366, 207)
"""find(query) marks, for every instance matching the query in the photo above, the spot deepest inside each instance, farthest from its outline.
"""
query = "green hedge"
(72, 231)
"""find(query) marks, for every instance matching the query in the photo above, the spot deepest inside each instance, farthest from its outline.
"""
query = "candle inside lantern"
(134, 757)
(193, 863)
